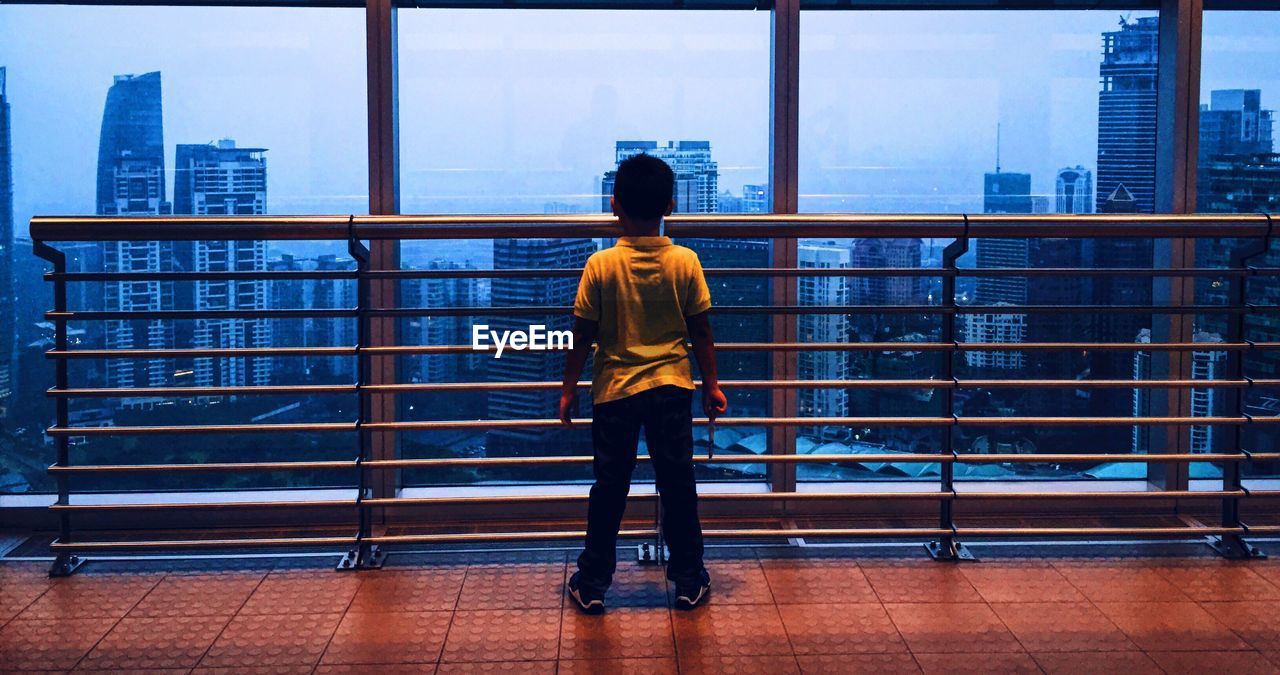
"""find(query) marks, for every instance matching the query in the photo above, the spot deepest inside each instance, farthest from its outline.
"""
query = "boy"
(640, 300)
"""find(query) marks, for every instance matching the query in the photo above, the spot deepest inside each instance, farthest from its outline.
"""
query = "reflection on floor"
(773, 610)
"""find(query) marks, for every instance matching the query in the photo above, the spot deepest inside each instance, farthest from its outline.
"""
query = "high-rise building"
(1074, 190)
(1002, 192)
(697, 176)
(1239, 173)
(7, 299)
(755, 199)
(824, 365)
(434, 329)
(313, 331)
(993, 327)
(529, 366)
(1205, 365)
(332, 331)
(885, 290)
(131, 181)
(1234, 123)
(221, 179)
(1127, 112)
(1125, 183)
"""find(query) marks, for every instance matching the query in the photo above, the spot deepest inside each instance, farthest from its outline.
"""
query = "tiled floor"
(772, 611)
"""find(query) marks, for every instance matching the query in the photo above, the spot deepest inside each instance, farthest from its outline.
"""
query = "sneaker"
(690, 595)
(588, 600)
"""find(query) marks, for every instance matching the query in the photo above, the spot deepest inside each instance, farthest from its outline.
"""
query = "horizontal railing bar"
(927, 272)
(573, 272)
(327, 427)
(249, 275)
(734, 310)
(445, 387)
(918, 421)
(887, 458)
(205, 506)
(1187, 531)
(220, 467)
(408, 350)
(830, 458)
(866, 226)
(59, 545)
(754, 533)
(180, 314)
(1003, 310)
(232, 352)
(262, 390)
(496, 537)
(815, 496)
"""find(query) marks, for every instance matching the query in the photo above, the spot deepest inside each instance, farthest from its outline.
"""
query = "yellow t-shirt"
(640, 291)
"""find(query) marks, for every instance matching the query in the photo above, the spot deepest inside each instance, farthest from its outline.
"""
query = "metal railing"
(375, 429)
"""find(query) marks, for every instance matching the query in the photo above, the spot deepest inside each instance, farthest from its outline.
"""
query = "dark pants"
(664, 412)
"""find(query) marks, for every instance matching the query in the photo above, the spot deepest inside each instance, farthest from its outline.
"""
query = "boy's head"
(643, 190)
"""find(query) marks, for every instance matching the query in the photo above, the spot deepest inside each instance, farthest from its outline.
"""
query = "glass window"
(509, 111)
(519, 111)
(1238, 172)
(974, 112)
(177, 110)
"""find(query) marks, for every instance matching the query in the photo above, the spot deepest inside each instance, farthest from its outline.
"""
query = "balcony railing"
(374, 429)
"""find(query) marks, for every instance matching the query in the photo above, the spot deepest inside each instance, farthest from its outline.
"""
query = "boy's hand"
(714, 403)
(568, 405)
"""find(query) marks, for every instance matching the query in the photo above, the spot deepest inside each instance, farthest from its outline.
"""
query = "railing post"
(1233, 545)
(947, 549)
(64, 564)
(364, 555)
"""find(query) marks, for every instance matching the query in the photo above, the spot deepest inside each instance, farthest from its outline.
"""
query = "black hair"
(643, 187)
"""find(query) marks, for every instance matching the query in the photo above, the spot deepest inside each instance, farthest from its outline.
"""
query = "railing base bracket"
(949, 551)
(1234, 547)
(362, 558)
(65, 565)
(651, 554)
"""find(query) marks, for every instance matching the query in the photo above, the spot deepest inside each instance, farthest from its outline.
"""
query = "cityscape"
(1239, 171)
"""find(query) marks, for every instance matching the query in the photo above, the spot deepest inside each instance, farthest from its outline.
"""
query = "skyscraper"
(1239, 172)
(1003, 193)
(826, 365)
(435, 329)
(1074, 190)
(1125, 183)
(7, 299)
(1234, 123)
(221, 179)
(755, 199)
(131, 181)
(527, 366)
(1127, 112)
(697, 176)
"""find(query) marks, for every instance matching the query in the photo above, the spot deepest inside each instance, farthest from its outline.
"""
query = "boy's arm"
(714, 403)
(584, 334)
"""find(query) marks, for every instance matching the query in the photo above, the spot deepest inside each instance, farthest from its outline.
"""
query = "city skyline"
(48, 164)
(140, 157)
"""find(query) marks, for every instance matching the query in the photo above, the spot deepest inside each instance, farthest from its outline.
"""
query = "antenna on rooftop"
(997, 147)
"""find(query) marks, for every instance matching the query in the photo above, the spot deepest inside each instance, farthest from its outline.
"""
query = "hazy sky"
(505, 110)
